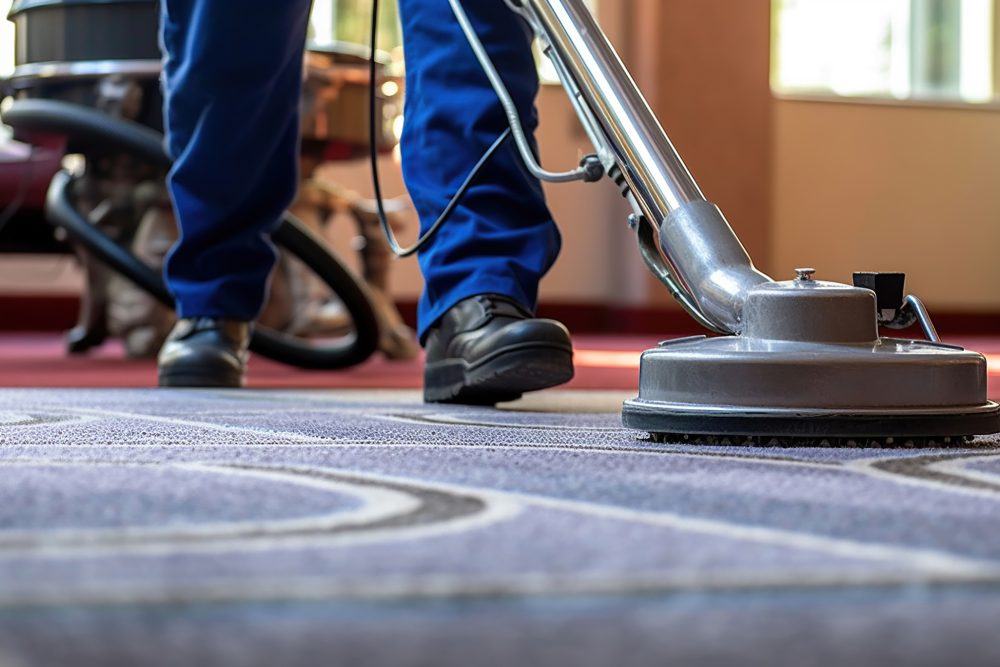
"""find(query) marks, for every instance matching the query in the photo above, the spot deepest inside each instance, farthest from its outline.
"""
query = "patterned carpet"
(363, 528)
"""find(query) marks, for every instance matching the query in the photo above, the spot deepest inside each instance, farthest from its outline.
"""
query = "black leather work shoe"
(488, 349)
(205, 352)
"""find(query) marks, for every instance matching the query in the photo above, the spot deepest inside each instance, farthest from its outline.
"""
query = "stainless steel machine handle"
(697, 243)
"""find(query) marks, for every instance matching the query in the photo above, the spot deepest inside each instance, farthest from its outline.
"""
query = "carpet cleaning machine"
(799, 361)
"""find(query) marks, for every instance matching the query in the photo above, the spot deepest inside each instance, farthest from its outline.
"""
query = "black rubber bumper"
(760, 426)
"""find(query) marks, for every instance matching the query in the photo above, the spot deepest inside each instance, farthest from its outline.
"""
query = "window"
(6, 57)
(902, 49)
(350, 21)
(6, 40)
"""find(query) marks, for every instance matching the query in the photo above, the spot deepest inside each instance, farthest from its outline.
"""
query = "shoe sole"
(503, 376)
(201, 380)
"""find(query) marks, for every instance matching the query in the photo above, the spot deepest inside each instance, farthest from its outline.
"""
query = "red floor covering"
(602, 362)
(40, 360)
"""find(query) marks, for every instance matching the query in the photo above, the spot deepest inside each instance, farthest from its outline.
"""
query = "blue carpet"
(284, 528)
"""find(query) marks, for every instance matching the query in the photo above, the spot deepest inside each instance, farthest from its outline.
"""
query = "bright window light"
(977, 40)
(904, 49)
(350, 21)
(6, 40)
(6, 56)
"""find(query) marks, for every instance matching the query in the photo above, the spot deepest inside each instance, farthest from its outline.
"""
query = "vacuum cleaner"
(794, 362)
(87, 83)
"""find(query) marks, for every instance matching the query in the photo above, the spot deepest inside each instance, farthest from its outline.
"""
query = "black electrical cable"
(373, 154)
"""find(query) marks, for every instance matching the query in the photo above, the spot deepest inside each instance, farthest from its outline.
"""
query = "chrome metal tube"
(696, 241)
(920, 310)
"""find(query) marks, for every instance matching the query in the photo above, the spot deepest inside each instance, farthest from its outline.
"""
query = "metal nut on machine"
(805, 274)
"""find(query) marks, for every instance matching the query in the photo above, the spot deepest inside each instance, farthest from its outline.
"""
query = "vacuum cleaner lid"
(60, 36)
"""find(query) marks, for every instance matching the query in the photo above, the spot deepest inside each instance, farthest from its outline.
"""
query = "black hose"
(373, 141)
(86, 127)
(60, 211)
(349, 351)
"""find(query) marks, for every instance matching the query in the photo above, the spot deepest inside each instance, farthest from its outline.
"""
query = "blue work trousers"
(232, 78)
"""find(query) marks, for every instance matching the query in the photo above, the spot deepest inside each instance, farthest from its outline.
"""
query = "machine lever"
(896, 311)
(889, 289)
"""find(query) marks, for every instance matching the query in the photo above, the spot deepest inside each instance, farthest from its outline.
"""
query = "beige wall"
(892, 188)
(842, 186)
(710, 87)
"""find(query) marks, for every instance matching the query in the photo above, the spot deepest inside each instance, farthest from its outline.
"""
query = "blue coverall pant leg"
(233, 79)
(501, 238)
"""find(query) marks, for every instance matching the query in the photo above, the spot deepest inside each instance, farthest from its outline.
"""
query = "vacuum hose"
(92, 132)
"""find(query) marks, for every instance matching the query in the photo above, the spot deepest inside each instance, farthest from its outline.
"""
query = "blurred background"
(842, 134)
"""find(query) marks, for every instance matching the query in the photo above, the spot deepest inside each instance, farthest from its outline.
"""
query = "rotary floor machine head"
(799, 361)
(809, 368)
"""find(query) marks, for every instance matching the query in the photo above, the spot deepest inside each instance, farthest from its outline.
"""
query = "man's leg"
(501, 239)
(232, 79)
